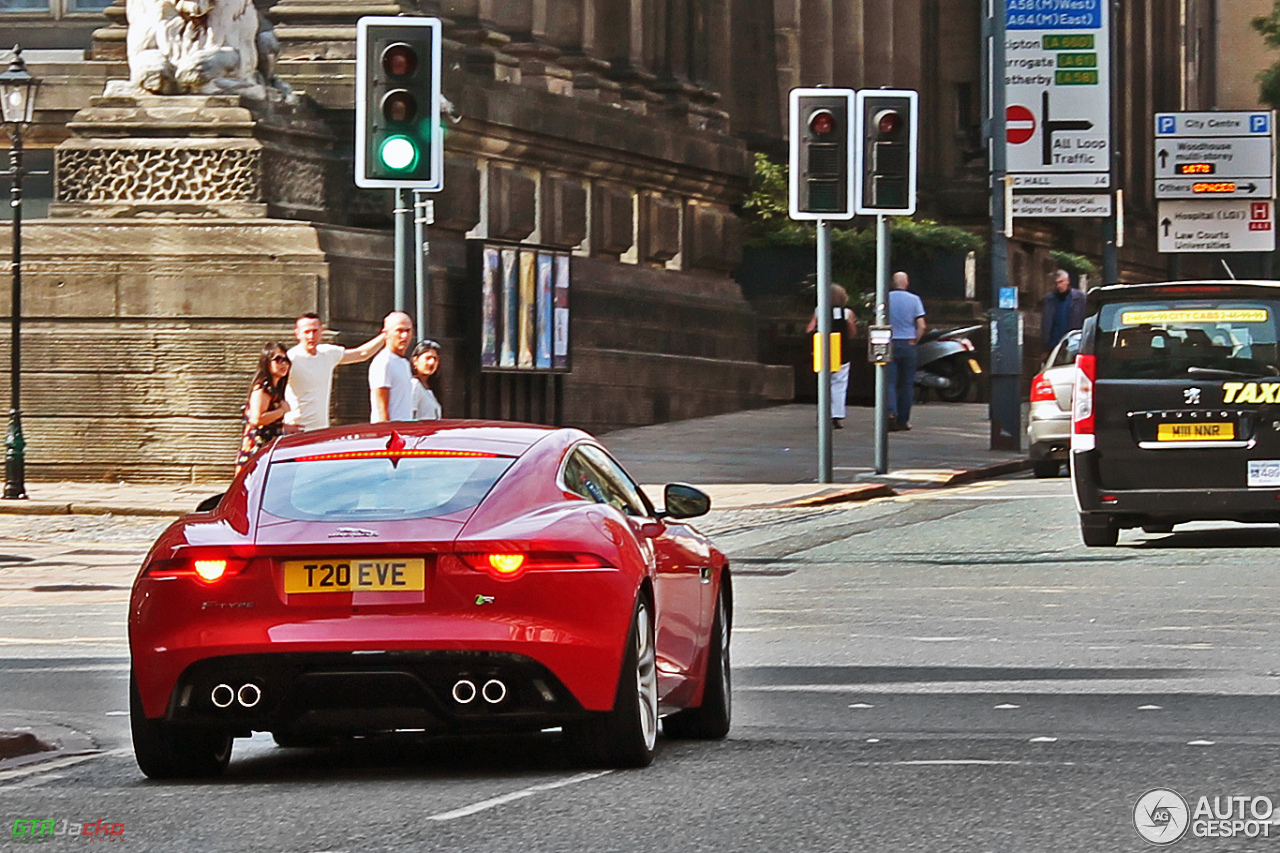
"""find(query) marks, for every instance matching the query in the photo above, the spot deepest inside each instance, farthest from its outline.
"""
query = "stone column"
(815, 42)
(848, 46)
(744, 64)
(474, 23)
(526, 21)
(622, 31)
(571, 27)
(878, 21)
(786, 24)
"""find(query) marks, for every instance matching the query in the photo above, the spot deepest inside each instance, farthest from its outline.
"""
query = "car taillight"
(203, 569)
(1082, 422)
(508, 565)
(1042, 390)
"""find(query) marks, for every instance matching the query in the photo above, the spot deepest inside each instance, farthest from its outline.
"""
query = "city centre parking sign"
(1058, 94)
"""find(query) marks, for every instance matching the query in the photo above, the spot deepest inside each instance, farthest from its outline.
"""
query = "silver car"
(1049, 429)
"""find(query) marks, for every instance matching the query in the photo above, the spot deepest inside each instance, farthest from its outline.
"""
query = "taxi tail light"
(507, 565)
(1082, 416)
(204, 569)
(1042, 390)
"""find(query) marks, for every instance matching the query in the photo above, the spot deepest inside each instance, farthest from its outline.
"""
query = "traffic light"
(888, 137)
(821, 174)
(398, 136)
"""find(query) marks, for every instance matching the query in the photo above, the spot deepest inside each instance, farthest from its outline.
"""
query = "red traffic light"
(822, 123)
(889, 122)
(400, 60)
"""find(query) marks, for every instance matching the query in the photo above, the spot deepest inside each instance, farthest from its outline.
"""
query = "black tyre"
(166, 751)
(711, 719)
(956, 370)
(1158, 527)
(627, 735)
(1099, 531)
(1045, 468)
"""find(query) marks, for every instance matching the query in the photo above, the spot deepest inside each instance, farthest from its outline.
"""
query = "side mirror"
(210, 503)
(683, 501)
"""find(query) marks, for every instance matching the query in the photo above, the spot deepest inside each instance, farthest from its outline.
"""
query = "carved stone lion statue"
(205, 47)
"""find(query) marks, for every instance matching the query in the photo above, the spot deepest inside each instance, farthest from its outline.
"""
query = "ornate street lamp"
(17, 106)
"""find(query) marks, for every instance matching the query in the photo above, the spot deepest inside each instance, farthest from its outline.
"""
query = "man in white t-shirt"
(390, 374)
(311, 376)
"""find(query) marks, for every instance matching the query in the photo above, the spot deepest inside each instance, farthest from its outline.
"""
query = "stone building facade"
(618, 130)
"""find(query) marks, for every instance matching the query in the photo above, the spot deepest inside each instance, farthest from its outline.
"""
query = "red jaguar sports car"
(434, 577)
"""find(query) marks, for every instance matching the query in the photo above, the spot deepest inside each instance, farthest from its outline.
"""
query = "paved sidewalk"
(770, 456)
(763, 457)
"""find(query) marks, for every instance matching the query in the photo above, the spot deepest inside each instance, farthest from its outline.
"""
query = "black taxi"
(1176, 409)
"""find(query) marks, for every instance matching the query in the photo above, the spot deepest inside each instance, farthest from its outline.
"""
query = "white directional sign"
(1215, 155)
(1072, 204)
(1058, 94)
(1217, 225)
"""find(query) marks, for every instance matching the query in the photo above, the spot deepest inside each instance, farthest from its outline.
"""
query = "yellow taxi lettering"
(1230, 390)
(1248, 394)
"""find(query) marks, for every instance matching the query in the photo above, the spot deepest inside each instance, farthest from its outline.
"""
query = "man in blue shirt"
(906, 317)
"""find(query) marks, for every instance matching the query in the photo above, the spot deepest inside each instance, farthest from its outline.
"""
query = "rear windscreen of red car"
(1187, 339)
(374, 489)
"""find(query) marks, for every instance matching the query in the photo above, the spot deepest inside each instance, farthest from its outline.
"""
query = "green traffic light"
(398, 153)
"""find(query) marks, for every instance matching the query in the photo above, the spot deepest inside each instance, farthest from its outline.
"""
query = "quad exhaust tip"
(464, 692)
(249, 695)
(494, 691)
(222, 696)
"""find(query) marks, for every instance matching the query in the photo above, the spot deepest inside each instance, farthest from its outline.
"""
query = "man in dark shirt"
(1063, 311)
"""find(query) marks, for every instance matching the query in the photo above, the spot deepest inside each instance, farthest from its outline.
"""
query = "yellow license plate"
(1196, 432)
(363, 574)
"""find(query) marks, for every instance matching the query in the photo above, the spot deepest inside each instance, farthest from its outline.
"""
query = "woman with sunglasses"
(265, 411)
(426, 361)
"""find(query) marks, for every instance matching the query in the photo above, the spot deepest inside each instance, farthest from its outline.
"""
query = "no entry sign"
(1020, 124)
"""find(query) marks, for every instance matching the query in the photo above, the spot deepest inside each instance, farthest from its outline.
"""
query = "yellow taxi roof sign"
(1195, 315)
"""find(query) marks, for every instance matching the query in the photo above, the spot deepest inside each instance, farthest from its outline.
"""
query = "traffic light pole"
(424, 214)
(882, 370)
(1005, 409)
(403, 214)
(825, 468)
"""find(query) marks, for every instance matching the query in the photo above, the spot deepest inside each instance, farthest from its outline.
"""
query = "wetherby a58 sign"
(1058, 92)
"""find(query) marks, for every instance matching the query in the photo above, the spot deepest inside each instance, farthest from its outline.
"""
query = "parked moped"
(946, 362)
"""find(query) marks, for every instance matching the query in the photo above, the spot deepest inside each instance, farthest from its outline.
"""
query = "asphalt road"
(949, 670)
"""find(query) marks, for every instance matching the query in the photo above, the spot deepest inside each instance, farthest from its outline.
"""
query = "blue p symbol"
(1258, 123)
(1166, 124)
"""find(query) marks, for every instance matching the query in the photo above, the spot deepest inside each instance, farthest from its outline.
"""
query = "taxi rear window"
(378, 488)
(1181, 339)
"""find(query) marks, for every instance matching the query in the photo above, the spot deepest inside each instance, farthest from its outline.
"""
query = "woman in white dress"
(426, 361)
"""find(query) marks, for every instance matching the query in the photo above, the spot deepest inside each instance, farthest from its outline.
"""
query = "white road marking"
(1200, 743)
(494, 802)
(63, 641)
(1150, 707)
(964, 762)
(1007, 707)
(1043, 740)
(87, 667)
(861, 705)
(58, 764)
